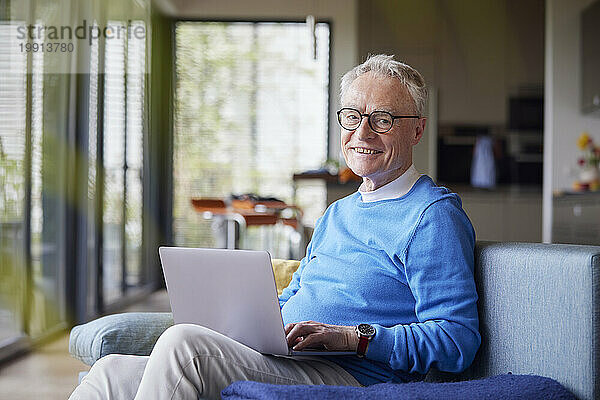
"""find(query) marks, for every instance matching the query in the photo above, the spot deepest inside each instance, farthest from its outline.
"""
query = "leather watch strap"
(365, 333)
(363, 344)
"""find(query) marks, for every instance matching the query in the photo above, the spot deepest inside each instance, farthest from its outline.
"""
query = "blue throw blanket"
(512, 387)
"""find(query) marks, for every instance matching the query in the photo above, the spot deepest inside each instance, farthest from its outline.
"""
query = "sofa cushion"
(283, 271)
(129, 333)
(497, 387)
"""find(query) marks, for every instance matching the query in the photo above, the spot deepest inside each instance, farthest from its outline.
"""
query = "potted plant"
(589, 175)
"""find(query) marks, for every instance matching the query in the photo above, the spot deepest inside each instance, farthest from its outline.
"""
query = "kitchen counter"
(506, 213)
(500, 190)
(576, 218)
(580, 195)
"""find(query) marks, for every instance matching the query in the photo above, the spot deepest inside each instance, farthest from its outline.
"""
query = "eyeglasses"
(379, 121)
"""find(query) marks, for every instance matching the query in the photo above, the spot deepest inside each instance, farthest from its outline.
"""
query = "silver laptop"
(232, 292)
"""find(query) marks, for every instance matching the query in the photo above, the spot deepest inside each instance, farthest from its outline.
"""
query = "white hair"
(384, 65)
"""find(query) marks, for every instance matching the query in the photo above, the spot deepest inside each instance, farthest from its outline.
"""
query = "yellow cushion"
(283, 270)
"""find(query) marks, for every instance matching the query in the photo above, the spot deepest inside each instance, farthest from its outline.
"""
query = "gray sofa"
(538, 306)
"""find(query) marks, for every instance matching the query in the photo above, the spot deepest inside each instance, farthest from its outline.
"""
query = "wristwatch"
(365, 333)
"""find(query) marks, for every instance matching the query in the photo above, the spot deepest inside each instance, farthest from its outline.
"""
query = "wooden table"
(246, 213)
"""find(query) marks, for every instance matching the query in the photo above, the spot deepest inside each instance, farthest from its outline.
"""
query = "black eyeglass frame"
(394, 117)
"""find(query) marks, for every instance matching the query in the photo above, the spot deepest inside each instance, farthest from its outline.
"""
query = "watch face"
(366, 330)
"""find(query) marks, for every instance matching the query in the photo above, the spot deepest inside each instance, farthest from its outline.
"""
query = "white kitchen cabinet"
(576, 219)
(504, 215)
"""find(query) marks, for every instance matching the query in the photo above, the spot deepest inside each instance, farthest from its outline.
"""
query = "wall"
(564, 121)
(475, 54)
(481, 51)
(344, 34)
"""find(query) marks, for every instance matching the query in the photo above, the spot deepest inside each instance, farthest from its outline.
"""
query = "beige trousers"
(193, 362)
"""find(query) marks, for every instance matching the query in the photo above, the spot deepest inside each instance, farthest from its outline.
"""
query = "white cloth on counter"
(483, 167)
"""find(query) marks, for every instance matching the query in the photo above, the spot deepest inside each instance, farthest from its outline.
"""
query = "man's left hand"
(311, 334)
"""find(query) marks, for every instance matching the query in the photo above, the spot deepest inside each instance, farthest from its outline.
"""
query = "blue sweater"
(403, 265)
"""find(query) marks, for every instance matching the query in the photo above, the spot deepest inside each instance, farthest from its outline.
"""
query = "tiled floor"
(50, 372)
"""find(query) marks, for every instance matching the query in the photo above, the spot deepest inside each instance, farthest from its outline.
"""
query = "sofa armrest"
(128, 333)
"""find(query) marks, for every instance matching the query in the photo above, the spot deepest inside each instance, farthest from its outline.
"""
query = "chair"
(251, 213)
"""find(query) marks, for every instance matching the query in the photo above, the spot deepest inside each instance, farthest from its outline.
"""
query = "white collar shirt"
(396, 188)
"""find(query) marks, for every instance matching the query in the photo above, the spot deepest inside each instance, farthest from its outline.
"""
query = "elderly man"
(388, 273)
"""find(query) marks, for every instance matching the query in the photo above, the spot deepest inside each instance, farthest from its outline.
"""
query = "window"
(49, 108)
(13, 93)
(72, 139)
(33, 175)
(52, 117)
(92, 212)
(251, 106)
(134, 155)
(124, 113)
